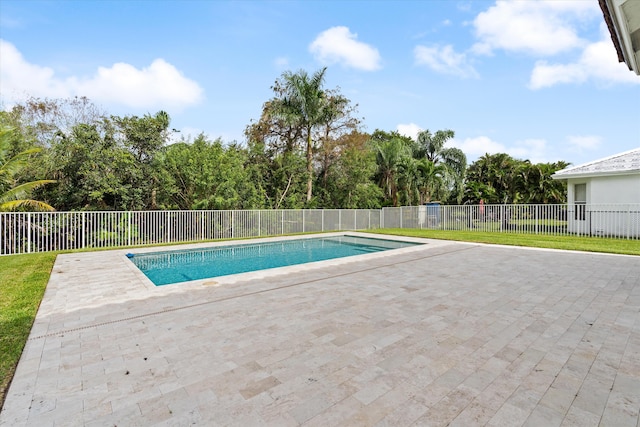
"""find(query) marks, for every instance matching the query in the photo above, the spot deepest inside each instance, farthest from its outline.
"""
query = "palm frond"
(25, 203)
(23, 190)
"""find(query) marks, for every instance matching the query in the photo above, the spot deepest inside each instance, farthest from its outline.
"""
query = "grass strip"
(575, 243)
(23, 279)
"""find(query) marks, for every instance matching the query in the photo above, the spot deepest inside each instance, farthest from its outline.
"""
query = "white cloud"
(339, 45)
(411, 130)
(18, 77)
(478, 146)
(444, 60)
(583, 142)
(598, 62)
(158, 86)
(281, 62)
(528, 149)
(536, 27)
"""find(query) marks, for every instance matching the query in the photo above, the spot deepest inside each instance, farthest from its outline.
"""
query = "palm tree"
(432, 147)
(536, 184)
(305, 103)
(15, 196)
(433, 180)
(390, 155)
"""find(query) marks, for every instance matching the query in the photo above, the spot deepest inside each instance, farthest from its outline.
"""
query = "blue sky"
(539, 80)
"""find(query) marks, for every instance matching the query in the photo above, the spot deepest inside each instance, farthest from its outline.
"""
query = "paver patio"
(448, 333)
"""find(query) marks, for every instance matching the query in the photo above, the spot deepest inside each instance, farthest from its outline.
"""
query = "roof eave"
(579, 175)
(608, 19)
(618, 15)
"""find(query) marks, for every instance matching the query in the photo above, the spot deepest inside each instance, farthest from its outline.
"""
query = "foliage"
(14, 194)
(207, 175)
(23, 279)
(346, 179)
(452, 161)
(302, 121)
(391, 151)
(307, 150)
(411, 172)
(40, 121)
(499, 178)
(304, 103)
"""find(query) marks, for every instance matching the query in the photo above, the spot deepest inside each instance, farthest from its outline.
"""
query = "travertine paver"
(445, 334)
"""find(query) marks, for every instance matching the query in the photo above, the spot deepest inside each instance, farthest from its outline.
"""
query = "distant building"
(604, 195)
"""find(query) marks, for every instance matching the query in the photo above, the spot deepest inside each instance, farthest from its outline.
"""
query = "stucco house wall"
(603, 196)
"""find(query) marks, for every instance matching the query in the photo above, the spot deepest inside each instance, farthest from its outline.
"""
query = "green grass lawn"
(23, 279)
(586, 244)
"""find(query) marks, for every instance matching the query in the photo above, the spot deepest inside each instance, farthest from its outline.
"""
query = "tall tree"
(432, 147)
(145, 137)
(346, 178)
(283, 136)
(44, 120)
(432, 182)
(391, 155)
(305, 103)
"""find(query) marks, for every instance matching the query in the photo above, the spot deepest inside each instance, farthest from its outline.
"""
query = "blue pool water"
(164, 268)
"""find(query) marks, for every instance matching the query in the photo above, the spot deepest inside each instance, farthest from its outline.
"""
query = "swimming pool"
(168, 267)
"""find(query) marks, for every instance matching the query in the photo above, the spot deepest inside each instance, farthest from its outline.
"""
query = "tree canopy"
(308, 149)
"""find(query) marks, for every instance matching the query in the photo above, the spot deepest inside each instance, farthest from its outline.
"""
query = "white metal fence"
(25, 232)
(601, 220)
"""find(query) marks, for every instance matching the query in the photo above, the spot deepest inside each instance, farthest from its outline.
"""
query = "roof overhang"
(623, 20)
(593, 174)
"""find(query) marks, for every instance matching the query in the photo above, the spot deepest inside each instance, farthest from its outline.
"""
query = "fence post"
(29, 232)
(537, 216)
(339, 219)
(129, 228)
(323, 220)
(303, 227)
(202, 214)
(168, 222)
(83, 230)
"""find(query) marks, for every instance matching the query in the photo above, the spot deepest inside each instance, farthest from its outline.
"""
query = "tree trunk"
(309, 166)
(154, 204)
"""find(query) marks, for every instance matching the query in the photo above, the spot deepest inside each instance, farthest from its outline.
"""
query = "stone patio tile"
(405, 414)
(578, 417)
(544, 416)
(416, 337)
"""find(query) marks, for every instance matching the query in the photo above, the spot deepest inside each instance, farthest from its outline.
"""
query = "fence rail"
(601, 220)
(26, 232)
